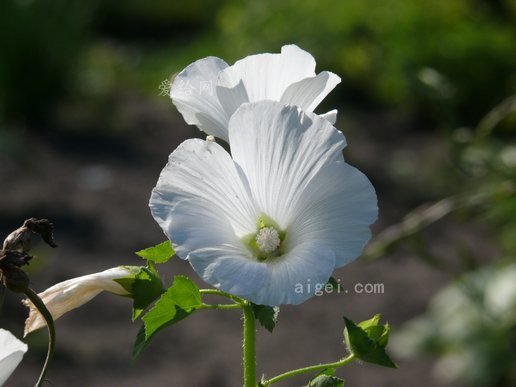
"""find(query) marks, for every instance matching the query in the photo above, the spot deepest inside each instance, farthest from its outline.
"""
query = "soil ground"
(95, 188)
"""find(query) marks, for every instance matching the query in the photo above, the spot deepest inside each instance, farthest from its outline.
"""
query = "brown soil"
(95, 188)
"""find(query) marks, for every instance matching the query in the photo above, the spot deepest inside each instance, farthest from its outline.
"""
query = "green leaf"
(372, 322)
(177, 303)
(159, 254)
(335, 286)
(326, 381)
(365, 347)
(139, 344)
(266, 315)
(145, 287)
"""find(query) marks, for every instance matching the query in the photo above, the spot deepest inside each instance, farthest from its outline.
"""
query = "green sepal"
(177, 303)
(158, 254)
(144, 285)
(266, 315)
(367, 341)
(326, 378)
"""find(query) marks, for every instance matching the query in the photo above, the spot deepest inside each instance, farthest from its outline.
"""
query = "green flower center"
(267, 242)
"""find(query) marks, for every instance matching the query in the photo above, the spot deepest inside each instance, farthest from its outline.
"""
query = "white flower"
(209, 91)
(277, 218)
(68, 295)
(11, 354)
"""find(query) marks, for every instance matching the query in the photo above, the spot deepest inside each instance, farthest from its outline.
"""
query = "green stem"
(220, 306)
(309, 369)
(216, 292)
(40, 306)
(249, 346)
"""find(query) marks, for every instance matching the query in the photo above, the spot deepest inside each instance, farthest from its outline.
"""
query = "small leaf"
(139, 345)
(145, 287)
(363, 347)
(372, 322)
(335, 285)
(326, 381)
(159, 254)
(177, 303)
(266, 315)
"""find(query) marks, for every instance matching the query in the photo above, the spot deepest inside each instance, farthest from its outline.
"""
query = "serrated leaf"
(185, 293)
(177, 303)
(363, 347)
(326, 381)
(266, 315)
(159, 254)
(139, 344)
(145, 287)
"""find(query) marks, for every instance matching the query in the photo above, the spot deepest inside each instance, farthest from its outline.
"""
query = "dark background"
(84, 134)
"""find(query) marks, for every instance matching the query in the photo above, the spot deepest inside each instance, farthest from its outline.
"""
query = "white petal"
(296, 276)
(201, 173)
(308, 93)
(193, 93)
(230, 269)
(280, 149)
(68, 295)
(336, 209)
(11, 354)
(330, 116)
(267, 76)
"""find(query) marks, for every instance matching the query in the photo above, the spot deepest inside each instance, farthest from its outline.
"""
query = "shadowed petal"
(330, 116)
(293, 278)
(11, 354)
(204, 173)
(193, 93)
(230, 269)
(308, 93)
(336, 209)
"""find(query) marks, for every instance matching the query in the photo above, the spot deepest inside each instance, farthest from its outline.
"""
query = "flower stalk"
(40, 305)
(249, 346)
(309, 369)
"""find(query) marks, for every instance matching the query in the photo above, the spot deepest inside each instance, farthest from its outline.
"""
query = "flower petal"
(193, 93)
(336, 209)
(202, 202)
(204, 173)
(230, 269)
(280, 149)
(308, 93)
(11, 354)
(68, 295)
(330, 116)
(296, 276)
(267, 76)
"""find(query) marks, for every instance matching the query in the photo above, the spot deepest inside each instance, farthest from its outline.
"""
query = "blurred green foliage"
(450, 57)
(436, 59)
(40, 42)
(471, 326)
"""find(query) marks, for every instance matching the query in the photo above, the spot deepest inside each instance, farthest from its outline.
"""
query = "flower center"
(268, 240)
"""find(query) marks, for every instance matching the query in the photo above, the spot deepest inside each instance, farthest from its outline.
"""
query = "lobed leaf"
(159, 254)
(177, 303)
